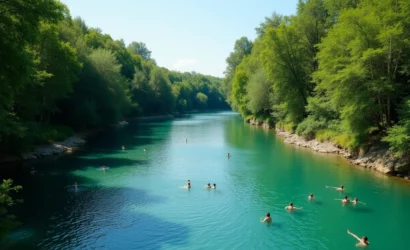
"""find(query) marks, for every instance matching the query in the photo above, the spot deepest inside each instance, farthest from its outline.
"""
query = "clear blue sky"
(183, 35)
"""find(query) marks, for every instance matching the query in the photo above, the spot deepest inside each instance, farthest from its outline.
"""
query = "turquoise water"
(138, 203)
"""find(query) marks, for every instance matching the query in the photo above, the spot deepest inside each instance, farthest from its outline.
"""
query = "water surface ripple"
(138, 203)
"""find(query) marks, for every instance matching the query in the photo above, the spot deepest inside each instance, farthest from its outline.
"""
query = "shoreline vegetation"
(77, 140)
(61, 77)
(378, 157)
(332, 77)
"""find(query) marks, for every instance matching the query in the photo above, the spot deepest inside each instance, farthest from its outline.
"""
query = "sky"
(183, 35)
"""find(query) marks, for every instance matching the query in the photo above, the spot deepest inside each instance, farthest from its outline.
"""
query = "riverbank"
(377, 157)
(74, 142)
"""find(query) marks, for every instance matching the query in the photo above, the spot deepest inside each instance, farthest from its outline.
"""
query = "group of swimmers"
(188, 185)
(363, 242)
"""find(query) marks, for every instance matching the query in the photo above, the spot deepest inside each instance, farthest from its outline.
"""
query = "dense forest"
(57, 75)
(336, 70)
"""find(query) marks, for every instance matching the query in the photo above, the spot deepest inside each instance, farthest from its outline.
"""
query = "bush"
(309, 126)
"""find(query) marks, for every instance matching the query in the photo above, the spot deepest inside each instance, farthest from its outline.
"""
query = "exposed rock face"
(260, 123)
(377, 157)
(55, 149)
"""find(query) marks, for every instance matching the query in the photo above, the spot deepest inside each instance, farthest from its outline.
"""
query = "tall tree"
(139, 48)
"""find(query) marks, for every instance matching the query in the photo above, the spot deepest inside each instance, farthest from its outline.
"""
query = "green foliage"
(398, 136)
(258, 93)
(139, 49)
(337, 70)
(202, 100)
(7, 221)
(58, 74)
(309, 126)
(243, 47)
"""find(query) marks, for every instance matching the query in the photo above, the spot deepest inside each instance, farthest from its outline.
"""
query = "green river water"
(138, 202)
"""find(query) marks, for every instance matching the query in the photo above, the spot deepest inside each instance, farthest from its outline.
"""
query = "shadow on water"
(362, 209)
(56, 216)
(274, 225)
(315, 202)
(96, 216)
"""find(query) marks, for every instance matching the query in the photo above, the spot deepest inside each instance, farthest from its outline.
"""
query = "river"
(138, 202)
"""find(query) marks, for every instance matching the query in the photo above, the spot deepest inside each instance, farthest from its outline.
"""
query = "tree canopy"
(336, 70)
(57, 75)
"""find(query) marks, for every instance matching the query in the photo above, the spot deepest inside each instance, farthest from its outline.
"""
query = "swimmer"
(267, 218)
(208, 186)
(228, 155)
(145, 149)
(104, 168)
(123, 147)
(341, 188)
(75, 186)
(186, 140)
(214, 187)
(356, 201)
(345, 200)
(363, 242)
(310, 197)
(291, 207)
(188, 185)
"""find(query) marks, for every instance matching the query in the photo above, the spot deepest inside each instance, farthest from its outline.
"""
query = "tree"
(288, 66)
(7, 221)
(164, 99)
(141, 49)
(202, 100)
(259, 90)
(242, 48)
(360, 62)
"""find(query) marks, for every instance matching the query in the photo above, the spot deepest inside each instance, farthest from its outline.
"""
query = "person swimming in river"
(145, 149)
(123, 147)
(356, 201)
(186, 140)
(363, 242)
(188, 185)
(75, 186)
(341, 188)
(291, 207)
(214, 187)
(228, 155)
(310, 197)
(208, 186)
(345, 200)
(267, 218)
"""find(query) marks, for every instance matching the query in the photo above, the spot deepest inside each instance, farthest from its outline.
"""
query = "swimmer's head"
(355, 199)
(364, 238)
(342, 187)
(311, 195)
(214, 185)
(346, 197)
(268, 215)
(291, 204)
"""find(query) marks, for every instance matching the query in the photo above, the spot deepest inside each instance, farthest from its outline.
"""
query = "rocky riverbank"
(57, 148)
(377, 157)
